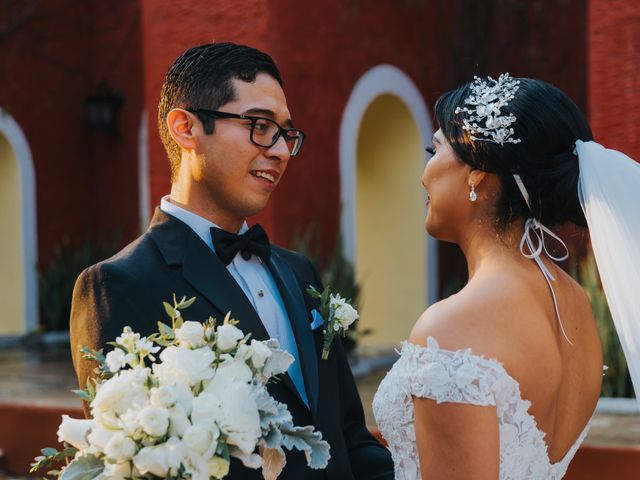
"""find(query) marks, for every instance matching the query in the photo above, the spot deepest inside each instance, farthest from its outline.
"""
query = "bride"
(501, 379)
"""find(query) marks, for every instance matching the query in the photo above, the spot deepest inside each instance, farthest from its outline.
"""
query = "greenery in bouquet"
(185, 413)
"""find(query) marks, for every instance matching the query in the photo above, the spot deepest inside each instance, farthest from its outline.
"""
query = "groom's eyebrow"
(267, 113)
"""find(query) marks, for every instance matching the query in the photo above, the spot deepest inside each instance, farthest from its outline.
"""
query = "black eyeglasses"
(264, 131)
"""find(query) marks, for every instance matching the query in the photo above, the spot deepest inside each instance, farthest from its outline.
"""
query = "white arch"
(379, 80)
(10, 129)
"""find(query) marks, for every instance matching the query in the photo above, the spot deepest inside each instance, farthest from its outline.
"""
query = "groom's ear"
(181, 128)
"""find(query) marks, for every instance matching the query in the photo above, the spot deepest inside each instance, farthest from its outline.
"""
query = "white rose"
(236, 368)
(130, 421)
(228, 337)
(160, 460)
(190, 335)
(120, 448)
(124, 390)
(163, 396)
(184, 365)
(178, 421)
(74, 431)
(233, 408)
(116, 471)
(117, 359)
(218, 467)
(259, 353)
(99, 437)
(345, 315)
(197, 439)
(154, 420)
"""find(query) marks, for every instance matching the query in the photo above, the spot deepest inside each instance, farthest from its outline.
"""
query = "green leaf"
(49, 452)
(165, 330)
(169, 309)
(83, 468)
(313, 293)
(187, 303)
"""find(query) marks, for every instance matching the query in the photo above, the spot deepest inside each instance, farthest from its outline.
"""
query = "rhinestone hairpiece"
(485, 118)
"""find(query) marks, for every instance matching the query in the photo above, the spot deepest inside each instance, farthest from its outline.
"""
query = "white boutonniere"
(338, 315)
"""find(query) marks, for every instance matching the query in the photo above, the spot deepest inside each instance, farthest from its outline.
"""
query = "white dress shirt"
(257, 284)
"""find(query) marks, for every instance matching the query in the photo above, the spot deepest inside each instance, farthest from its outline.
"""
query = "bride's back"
(507, 313)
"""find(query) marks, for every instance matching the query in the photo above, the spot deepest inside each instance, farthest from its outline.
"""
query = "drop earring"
(473, 196)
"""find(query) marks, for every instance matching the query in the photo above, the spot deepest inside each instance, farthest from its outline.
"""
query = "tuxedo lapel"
(204, 271)
(294, 303)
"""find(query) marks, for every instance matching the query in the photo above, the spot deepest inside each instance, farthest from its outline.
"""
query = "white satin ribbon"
(533, 229)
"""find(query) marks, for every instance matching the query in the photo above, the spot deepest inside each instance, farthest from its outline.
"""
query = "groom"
(225, 124)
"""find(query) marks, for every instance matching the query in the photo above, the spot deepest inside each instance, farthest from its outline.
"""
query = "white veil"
(609, 191)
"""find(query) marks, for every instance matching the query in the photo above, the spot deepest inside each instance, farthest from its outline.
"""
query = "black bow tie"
(253, 242)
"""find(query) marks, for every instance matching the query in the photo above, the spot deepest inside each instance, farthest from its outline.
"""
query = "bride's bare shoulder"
(490, 316)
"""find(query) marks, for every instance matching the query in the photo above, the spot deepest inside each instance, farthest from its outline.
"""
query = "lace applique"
(462, 377)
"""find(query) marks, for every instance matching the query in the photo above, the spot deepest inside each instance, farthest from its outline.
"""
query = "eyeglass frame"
(282, 132)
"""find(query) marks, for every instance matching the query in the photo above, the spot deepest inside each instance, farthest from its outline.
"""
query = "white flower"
(190, 335)
(231, 404)
(163, 396)
(343, 313)
(160, 460)
(259, 353)
(154, 420)
(116, 471)
(178, 421)
(145, 348)
(184, 365)
(74, 431)
(117, 359)
(128, 339)
(124, 390)
(99, 437)
(218, 467)
(228, 337)
(120, 448)
(197, 439)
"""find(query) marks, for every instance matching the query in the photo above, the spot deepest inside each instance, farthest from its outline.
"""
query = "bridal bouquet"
(186, 413)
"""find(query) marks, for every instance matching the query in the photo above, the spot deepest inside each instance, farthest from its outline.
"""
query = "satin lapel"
(206, 273)
(294, 302)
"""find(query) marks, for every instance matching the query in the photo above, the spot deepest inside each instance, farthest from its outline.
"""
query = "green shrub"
(56, 280)
(616, 381)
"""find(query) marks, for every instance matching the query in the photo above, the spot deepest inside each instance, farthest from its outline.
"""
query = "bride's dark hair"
(548, 124)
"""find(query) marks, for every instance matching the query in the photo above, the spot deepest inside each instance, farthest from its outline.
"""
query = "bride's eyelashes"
(431, 151)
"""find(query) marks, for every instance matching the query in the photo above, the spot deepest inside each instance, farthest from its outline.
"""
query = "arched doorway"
(385, 128)
(18, 257)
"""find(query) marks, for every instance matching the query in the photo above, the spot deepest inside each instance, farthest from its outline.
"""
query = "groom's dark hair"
(201, 78)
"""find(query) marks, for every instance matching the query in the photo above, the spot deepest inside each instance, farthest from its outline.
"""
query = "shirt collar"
(201, 226)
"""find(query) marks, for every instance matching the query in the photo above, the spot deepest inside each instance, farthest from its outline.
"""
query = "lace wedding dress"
(462, 377)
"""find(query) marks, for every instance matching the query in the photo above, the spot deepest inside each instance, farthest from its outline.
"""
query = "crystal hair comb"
(484, 117)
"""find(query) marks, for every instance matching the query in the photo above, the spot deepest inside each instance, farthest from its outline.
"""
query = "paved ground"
(46, 376)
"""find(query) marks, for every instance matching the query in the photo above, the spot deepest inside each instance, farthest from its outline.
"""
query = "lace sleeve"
(451, 376)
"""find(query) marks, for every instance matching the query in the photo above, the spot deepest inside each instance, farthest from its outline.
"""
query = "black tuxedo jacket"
(128, 289)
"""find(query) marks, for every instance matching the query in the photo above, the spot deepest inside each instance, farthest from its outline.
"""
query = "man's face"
(236, 176)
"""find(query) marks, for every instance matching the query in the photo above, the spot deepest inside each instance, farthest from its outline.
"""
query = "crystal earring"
(473, 196)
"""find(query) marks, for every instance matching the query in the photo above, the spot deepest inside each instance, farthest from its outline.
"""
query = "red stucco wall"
(325, 47)
(614, 74)
(53, 54)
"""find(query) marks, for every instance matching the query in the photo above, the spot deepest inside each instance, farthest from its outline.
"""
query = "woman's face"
(445, 178)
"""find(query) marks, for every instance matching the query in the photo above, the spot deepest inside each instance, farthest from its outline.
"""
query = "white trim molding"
(10, 129)
(379, 80)
(144, 210)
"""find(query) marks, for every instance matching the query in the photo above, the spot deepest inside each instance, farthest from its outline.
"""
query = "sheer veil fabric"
(609, 191)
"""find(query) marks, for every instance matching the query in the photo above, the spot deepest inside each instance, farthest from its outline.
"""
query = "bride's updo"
(548, 124)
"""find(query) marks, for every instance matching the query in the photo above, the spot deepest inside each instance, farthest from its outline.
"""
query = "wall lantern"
(103, 107)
